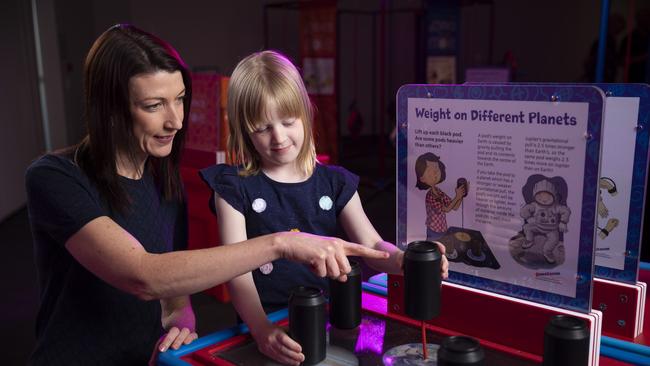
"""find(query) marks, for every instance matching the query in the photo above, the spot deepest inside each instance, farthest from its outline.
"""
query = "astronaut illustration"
(546, 216)
(608, 185)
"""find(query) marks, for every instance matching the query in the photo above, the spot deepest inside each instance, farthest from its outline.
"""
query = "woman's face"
(156, 103)
(431, 175)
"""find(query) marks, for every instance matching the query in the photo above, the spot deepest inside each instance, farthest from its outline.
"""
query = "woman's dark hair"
(421, 166)
(120, 53)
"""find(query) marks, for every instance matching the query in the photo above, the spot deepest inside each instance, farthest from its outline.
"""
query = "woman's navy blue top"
(82, 320)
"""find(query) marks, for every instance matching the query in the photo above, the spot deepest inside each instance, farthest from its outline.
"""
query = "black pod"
(460, 351)
(307, 322)
(345, 300)
(422, 280)
(462, 182)
(566, 341)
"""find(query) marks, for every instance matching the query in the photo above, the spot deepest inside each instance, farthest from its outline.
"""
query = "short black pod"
(307, 322)
(345, 300)
(460, 351)
(566, 341)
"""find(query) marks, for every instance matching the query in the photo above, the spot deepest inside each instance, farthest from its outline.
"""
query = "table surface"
(364, 345)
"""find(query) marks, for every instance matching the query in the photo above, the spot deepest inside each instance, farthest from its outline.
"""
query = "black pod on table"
(307, 322)
(566, 341)
(345, 300)
(422, 261)
(460, 351)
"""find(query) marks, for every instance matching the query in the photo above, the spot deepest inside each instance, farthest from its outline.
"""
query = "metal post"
(602, 41)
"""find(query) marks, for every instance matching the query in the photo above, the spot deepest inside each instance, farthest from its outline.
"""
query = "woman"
(107, 214)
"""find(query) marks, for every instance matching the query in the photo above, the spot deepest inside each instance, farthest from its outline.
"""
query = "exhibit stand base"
(497, 320)
(622, 306)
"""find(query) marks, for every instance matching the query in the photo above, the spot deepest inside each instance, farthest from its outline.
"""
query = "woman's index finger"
(363, 251)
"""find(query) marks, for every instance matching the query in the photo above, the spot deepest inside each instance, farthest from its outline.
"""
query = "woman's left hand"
(173, 339)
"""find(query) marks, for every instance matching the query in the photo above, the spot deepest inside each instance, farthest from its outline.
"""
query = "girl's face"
(431, 175)
(278, 139)
(157, 110)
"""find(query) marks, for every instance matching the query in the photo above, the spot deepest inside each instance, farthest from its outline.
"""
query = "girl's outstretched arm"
(271, 340)
(360, 230)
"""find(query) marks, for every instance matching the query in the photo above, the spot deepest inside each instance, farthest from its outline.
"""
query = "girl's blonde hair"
(260, 80)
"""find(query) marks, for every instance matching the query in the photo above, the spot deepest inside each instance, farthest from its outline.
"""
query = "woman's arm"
(112, 254)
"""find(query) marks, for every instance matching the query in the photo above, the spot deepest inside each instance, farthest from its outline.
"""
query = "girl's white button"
(259, 205)
(266, 268)
(325, 203)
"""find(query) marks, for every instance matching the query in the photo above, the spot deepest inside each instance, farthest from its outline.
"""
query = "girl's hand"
(277, 345)
(399, 257)
(444, 264)
(174, 339)
(326, 255)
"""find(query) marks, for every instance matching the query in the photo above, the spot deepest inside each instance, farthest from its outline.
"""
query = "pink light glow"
(371, 337)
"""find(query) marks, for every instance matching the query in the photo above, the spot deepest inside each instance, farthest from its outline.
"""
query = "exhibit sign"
(622, 183)
(506, 177)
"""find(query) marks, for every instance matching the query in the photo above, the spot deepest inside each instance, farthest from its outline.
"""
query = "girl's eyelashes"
(265, 127)
(261, 128)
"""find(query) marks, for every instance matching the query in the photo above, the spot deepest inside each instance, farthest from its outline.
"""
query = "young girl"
(279, 186)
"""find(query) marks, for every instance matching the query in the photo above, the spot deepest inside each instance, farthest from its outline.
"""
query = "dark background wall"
(549, 39)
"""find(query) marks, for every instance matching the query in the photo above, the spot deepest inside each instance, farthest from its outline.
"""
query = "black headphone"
(613, 189)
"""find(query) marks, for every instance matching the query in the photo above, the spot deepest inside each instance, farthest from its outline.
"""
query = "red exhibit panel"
(641, 342)
(205, 141)
(512, 325)
(203, 229)
(622, 306)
